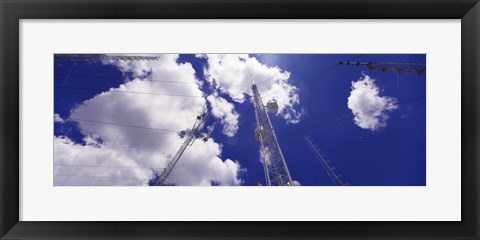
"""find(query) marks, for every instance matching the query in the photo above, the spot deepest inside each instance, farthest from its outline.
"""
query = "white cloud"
(225, 111)
(369, 108)
(131, 156)
(201, 165)
(92, 165)
(230, 73)
(57, 118)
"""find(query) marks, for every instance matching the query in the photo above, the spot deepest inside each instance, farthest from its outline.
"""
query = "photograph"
(239, 119)
(167, 119)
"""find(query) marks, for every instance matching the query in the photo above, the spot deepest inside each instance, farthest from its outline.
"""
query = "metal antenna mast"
(325, 164)
(276, 170)
(191, 135)
(90, 57)
(398, 67)
(75, 58)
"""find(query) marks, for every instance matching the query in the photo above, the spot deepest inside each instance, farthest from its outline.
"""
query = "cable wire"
(322, 71)
(123, 125)
(80, 165)
(140, 179)
(116, 91)
(116, 78)
(83, 147)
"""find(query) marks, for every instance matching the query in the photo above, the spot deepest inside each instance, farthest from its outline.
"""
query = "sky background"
(95, 101)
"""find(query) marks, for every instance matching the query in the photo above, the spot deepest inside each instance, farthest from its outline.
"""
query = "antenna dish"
(295, 183)
(260, 131)
(272, 106)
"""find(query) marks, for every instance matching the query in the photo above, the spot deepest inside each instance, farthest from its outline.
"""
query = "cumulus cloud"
(94, 164)
(107, 165)
(369, 108)
(231, 73)
(195, 169)
(125, 155)
(224, 111)
(57, 118)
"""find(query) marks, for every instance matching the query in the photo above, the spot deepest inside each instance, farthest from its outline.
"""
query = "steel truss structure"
(275, 167)
(74, 58)
(398, 67)
(325, 164)
(190, 136)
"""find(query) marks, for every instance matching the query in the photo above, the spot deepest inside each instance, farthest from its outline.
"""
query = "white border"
(439, 201)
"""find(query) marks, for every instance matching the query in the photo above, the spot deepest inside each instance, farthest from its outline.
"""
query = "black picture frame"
(12, 11)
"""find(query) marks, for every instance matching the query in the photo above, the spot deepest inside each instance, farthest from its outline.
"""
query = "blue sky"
(393, 153)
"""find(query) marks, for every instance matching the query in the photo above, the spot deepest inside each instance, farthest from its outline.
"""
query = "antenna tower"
(325, 164)
(398, 67)
(89, 58)
(275, 168)
(191, 135)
